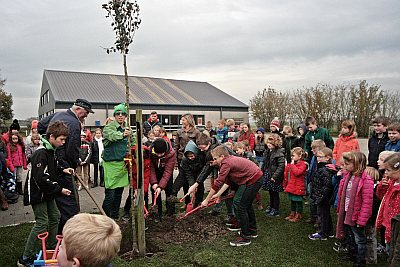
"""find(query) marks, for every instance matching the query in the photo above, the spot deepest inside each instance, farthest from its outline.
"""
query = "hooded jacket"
(161, 169)
(289, 143)
(274, 162)
(192, 168)
(295, 182)
(345, 143)
(41, 183)
(182, 138)
(322, 188)
(390, 146)
(149, 125)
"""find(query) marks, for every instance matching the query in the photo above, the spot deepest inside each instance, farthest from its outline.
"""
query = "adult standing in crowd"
(68, 154)
(150, 123)
(183, 135)
(115, 143)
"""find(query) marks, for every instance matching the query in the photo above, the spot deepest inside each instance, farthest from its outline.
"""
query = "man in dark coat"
(150, 123)
(68, 154)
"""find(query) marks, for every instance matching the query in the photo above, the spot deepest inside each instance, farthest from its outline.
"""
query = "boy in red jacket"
(247, 176)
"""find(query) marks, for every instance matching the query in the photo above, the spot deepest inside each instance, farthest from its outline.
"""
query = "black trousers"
(325, 220)
(274, 200)
(96, 168)
(67, 205)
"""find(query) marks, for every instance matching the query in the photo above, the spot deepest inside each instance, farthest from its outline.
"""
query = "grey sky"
(238, 46)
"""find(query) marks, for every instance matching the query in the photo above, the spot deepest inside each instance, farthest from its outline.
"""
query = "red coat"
(295, 182)
(345, 144)
(17, 158)
(248, 136)
(363, 201)
(146, 169)
(390, 205)
(161, 169)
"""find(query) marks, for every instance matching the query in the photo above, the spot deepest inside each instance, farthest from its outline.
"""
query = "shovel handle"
(59, 239)
(43, 237)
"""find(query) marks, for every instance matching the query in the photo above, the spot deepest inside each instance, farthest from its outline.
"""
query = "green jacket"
(319, 133)
(115, 144)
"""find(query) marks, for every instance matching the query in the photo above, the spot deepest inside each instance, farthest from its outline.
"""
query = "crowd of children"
(311, 166)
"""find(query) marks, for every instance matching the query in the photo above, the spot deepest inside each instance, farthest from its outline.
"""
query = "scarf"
(348, 217)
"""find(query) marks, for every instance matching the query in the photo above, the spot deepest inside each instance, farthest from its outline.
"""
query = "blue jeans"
(112, 201)
(358, 243)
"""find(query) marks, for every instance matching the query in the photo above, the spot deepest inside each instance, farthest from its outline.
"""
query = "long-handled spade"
(90, 195)
(211, 203)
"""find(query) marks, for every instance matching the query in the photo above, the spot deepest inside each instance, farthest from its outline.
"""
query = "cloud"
(239, 46)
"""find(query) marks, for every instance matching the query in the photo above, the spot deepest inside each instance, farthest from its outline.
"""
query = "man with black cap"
(162, 163)
(68, 154)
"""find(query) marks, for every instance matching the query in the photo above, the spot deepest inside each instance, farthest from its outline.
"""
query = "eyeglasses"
(120, 114)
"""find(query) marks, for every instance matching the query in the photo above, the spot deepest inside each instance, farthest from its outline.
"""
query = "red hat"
(275, 122)
(34, 124)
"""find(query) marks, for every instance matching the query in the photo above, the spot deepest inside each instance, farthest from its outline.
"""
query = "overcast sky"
(239, 46)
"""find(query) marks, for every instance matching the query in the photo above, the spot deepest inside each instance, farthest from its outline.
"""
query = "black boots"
(19, 188)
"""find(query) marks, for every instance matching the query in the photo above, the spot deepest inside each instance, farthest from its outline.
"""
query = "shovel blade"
(189, 207)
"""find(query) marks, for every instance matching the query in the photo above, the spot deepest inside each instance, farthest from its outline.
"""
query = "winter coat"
(149, 125)
(192, 168)
(85, 152)
(390, 205)
(207, 158)
(260, 146)
(231, 134)
(294, 181)
(222, 135)
(289, 143)
(68, 154)
(30, 149)
(115, 143)
(375, 146)
(274, 162)
(161, 169)
(17, 158)
(146, 168)
(247, 136)
(237, 170)
(94, 158)
(41, 183)
(364, 198)
(182, 138)
(394, 253)
(322, 188)
(345, 143)
(319, 133)
(393, 146)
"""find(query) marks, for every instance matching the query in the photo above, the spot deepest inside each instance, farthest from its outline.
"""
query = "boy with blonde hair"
(89, 240)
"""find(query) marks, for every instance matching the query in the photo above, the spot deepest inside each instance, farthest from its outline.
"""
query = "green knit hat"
(121, 107)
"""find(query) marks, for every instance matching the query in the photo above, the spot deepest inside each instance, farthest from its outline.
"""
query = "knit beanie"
(159, 146)
(15, 125)
(261, 129)
(275, 122)
(34, 124)
(120, 108)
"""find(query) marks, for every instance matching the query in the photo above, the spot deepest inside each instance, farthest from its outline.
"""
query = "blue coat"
(390, 146)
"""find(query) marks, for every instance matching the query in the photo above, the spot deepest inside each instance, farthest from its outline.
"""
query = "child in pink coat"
(356, 191)
(17, 158)
(389, 191)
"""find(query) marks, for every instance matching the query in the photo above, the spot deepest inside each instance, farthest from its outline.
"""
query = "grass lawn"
(280, 243)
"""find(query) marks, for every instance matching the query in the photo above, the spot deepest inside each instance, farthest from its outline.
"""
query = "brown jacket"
(182, 138)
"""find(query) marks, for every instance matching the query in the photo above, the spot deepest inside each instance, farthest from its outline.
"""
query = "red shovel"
(43, 237)
(59, 239)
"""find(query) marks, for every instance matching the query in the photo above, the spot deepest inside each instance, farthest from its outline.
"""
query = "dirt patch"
(198, 227)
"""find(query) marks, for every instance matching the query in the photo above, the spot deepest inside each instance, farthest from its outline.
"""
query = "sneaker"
(331, 236)
(234, 227)
(317, 236)
(230, 222)
(273, 213)
(268, 210)
(240, 241)
(24, 262)
(173, 199)
(253, 234)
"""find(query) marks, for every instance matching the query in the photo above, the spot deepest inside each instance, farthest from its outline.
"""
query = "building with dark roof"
(170, 98)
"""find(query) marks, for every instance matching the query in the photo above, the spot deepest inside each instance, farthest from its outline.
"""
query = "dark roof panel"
(109, 88)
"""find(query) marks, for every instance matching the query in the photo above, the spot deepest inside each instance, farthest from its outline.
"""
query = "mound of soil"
(198, 227)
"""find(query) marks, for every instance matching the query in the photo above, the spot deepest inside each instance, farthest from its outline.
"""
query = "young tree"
(6, 102)
(125, 22)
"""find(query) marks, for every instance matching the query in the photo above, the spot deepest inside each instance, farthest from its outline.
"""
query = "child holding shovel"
(245, 174)
(162, 163)
(41, 188)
